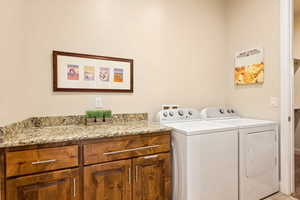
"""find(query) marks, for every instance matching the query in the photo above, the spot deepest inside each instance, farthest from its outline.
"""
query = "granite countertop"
(74, 132)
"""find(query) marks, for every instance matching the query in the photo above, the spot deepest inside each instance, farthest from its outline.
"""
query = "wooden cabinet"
(121, 168)
(152, 177)
(143, 174)
(110, 181)
(149, 177)
(62, 185)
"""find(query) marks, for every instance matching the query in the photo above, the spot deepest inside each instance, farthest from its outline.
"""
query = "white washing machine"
(205, 156)
(258, 152)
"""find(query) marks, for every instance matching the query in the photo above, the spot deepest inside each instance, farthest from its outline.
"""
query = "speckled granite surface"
(46, 130)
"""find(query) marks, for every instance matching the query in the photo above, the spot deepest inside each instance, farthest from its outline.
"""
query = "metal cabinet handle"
(149, 157)
(74, 187)
(129, 175)
(43, 162)
(129, 150)
(136, 173)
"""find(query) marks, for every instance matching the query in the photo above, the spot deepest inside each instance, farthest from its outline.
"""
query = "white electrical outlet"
(274, 102)
(99, 102)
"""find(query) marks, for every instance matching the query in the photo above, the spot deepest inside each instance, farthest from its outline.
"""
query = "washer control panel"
(218, 113)
(179, 114)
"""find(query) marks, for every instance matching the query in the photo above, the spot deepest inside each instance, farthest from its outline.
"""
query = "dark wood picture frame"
(55, 71)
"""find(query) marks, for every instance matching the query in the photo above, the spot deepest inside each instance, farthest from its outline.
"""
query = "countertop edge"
(77, 141)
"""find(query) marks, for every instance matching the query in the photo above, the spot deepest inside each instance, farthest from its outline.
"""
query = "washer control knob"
(228, 111)
(171, 113)
(221, 111)
(165, 114)
(232, 111)
(180, 112)
(190, 113)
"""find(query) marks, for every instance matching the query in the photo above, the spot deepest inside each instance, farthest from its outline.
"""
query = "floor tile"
(280, 196)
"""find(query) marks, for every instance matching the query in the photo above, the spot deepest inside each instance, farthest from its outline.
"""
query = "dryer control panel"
(218, 113)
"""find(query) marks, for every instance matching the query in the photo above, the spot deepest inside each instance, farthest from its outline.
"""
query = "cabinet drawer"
(117, 149)
(40, 160)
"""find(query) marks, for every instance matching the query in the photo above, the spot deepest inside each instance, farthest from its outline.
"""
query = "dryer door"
(261, 153)
(259, 167)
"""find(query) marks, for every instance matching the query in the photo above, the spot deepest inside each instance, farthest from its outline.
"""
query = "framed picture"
(249, 67)
(73, 72)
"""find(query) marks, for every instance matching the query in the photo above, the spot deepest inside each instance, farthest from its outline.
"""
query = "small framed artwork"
(73, 72)
(249, 67)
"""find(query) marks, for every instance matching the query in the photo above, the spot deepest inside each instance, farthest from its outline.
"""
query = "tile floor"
(280, 196)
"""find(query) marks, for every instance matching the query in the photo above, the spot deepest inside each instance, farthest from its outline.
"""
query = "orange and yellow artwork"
(249, 74)
(249, 67)
(118, 75)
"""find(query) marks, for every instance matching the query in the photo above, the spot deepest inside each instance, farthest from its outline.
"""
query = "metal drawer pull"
(136, 173)
(43, 162)
(129, 175)
(129, 150)
(74, 185)
(149, 157)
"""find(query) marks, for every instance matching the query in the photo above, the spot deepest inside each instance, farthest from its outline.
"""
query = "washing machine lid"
(200, 127)
(246, 122)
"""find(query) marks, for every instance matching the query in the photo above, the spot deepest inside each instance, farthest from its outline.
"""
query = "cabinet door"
(62, 185)
(110, 181)
(152, 177)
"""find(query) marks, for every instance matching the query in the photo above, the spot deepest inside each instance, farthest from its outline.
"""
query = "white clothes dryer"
(258, 152)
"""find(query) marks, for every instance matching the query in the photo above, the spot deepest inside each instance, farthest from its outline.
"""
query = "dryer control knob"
(171, 113)
(221, 111)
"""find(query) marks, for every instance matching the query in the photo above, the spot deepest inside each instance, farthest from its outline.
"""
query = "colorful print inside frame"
(89, 73)
(249, 67)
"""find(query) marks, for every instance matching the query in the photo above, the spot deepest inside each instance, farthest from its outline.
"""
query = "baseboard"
(297, 151)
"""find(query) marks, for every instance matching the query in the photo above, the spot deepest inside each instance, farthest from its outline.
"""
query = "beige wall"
(178, 47)
(252, 24)
(13, 77)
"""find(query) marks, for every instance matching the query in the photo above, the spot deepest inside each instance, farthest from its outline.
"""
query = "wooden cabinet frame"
(152, 177)
(110, 180)
(6, 183)
(62, 184)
